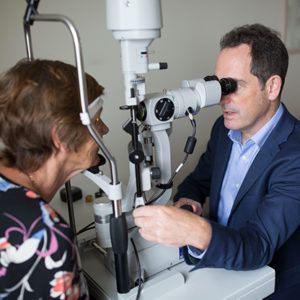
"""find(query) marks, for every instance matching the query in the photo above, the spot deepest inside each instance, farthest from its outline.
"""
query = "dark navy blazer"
(263, 226)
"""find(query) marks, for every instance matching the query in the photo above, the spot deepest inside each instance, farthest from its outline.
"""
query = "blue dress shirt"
(241, 158)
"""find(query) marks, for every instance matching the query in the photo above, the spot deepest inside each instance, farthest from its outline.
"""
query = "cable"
(86, 228)
(155, 198)
(189, 148)
(139, 270)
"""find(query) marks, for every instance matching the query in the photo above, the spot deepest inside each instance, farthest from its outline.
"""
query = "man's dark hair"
(269, 54)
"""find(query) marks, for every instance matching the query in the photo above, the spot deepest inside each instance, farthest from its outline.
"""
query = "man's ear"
(273, 86)
(56, 140)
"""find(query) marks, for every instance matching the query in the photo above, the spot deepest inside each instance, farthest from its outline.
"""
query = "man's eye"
(239, 86)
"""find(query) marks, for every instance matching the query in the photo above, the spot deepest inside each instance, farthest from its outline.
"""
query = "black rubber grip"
(119, 241)
(187, 207)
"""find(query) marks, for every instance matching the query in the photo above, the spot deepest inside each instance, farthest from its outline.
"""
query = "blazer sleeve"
(251, 240)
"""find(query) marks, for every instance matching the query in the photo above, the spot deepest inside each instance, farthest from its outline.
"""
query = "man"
(250, 171)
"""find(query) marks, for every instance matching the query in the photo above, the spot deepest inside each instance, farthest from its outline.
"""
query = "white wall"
(189, 43)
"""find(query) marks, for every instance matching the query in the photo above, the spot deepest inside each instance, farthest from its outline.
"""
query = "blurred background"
(189, 43)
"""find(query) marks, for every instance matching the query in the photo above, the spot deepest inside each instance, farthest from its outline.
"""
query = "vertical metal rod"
(28, 41)
(117, 208)
(70, 206)
(135, 144)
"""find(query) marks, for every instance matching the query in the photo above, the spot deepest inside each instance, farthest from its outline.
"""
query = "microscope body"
(135, 24)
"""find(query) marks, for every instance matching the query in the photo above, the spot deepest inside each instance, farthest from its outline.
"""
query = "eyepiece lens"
(211, 77)
(228, 85)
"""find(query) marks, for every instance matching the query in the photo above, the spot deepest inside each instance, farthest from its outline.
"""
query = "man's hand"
(172, 226)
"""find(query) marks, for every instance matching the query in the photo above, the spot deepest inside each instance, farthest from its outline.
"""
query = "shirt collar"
(262, 134)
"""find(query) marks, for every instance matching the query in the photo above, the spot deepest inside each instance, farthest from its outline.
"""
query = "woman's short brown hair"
(35, 97)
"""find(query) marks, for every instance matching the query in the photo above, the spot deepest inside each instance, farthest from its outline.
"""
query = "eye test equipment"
(132, 268)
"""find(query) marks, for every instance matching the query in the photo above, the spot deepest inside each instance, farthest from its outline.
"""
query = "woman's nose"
(105, 129)
(101, 127)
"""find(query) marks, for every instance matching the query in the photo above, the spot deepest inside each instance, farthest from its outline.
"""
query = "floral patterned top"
(38, 256)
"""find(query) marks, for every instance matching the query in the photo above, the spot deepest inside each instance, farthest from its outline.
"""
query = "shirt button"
(237, 185)
(244, 157)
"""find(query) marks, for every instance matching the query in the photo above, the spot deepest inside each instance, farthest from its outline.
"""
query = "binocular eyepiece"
(228, 85)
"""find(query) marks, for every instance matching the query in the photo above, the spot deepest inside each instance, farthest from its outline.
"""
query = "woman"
(45, 145)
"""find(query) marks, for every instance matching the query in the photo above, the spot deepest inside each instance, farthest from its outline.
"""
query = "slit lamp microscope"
(135, 24)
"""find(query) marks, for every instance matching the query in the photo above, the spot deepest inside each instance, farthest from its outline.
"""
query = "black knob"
(164, 109)
(187, 207)
(155, 173)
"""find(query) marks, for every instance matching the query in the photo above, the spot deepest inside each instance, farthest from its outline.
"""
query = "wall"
(189, 43)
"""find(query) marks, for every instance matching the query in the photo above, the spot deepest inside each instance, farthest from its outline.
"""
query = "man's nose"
(225, 99)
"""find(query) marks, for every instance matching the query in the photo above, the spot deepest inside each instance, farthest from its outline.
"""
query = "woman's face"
(87, 155)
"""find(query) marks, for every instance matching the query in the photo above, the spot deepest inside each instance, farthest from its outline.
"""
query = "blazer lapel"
(266, 154)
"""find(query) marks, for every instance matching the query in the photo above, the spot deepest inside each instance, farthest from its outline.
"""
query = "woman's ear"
(273, 86)
(56, 140)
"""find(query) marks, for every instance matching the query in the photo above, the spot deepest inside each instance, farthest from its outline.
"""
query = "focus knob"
(164, 109)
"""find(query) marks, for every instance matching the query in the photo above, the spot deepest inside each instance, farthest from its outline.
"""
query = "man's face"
(248, 108)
